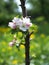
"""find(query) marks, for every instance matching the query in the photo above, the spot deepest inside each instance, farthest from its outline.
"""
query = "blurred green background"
(39, 44)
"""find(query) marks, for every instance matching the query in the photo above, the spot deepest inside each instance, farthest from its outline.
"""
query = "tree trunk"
(27, 48)
(27, 43)
(24, 12)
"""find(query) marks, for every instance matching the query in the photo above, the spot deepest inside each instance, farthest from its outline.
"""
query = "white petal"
(23, 28)
(17, 21)
(26, 20)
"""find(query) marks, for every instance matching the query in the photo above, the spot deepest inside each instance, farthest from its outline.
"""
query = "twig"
(31, 33)
(21, 44)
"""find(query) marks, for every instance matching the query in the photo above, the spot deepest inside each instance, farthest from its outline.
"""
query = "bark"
(27, 48)
(27, 43)
(24, 12)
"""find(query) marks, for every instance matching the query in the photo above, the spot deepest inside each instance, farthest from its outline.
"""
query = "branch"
(18, 46)
(23, 8)
(31, 33)
(21, 44)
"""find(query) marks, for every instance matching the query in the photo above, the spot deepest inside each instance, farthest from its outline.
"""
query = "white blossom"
(17, 21)
(23, 24)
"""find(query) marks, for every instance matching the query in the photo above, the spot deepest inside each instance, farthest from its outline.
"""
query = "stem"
(27, 43)
(31, 33)
(27, 48)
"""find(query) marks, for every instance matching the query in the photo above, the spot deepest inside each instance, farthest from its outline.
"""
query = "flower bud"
(11, 44)
(12, 25)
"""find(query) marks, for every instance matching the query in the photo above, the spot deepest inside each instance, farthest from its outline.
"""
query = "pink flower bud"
(11, 44)
(28, 24)
(12, 25)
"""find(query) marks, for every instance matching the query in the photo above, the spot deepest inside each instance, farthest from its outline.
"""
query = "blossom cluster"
(23, 24)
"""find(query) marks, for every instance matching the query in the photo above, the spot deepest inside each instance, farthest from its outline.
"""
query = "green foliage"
(39, 47)
(39, 41)
(40, 19)
(39, 8)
